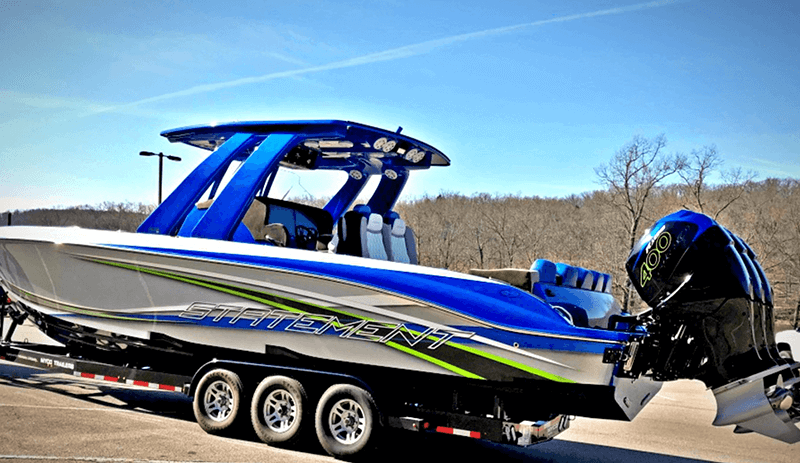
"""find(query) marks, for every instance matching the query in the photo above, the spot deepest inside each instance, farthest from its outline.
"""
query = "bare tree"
(498, 220)
(480, 239)
(695, 174)
(631, 177)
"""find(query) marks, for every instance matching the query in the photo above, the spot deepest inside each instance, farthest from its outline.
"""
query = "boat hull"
(181, 293)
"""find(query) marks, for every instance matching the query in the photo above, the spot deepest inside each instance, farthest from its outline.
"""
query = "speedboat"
(224, 268)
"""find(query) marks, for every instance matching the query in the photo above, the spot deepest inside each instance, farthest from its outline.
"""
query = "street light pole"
(160, 174)
(161, 157)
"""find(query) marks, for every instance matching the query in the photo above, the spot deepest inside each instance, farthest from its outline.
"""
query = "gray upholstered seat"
(360, 233)
(398, 238)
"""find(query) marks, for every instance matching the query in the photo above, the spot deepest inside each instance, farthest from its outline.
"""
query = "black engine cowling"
(712, 316)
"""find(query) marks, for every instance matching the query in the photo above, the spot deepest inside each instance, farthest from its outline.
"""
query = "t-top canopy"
(336, 145)
(262, 148)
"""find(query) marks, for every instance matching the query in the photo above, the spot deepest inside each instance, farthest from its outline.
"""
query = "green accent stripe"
(503, 360)
(216, 287)
(512, 363)
(433, 360)
(209, 285)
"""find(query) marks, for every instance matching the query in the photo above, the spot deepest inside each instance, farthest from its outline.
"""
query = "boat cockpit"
(249, 155)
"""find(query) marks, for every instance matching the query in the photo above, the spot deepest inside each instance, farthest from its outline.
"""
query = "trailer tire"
(277, 410)
(346, 419)
(218, 401)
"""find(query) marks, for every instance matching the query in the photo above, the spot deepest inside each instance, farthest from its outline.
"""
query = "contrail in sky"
(389, 55)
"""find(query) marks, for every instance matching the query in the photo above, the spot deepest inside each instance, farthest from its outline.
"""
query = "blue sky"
(525, 96)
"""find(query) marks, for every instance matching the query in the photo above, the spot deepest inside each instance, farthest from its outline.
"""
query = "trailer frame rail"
(56, 358)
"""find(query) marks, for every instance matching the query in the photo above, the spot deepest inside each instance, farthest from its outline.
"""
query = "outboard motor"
(712, 320)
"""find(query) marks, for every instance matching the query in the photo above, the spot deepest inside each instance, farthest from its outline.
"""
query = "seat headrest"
(390, 217)
(399, 228)
(362, 209)
(375, 223)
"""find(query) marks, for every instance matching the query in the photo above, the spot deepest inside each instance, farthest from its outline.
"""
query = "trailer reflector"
(113, 379)
(458, 432)
(163, 387)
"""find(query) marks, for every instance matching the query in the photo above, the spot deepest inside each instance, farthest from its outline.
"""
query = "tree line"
(597, 230)
(125, 216)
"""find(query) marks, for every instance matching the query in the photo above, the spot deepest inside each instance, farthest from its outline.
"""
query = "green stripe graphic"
(243, 293)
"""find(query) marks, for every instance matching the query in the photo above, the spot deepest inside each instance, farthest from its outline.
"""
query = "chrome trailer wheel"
(217, 400)
(277, 410)
(346, 420)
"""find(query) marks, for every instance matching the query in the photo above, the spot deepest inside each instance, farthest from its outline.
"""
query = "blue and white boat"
(223, 266)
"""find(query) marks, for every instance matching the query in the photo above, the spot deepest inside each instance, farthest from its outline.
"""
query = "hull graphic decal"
(438, 348)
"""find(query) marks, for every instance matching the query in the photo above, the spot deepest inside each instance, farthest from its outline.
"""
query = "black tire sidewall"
(208, 424)
(261, 428)
(333, 395)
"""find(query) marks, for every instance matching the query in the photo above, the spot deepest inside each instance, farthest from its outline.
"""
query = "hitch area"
(530, 432)
(521, 434)
(762, 403)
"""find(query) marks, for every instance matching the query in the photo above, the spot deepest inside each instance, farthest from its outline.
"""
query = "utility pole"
(161, 157)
